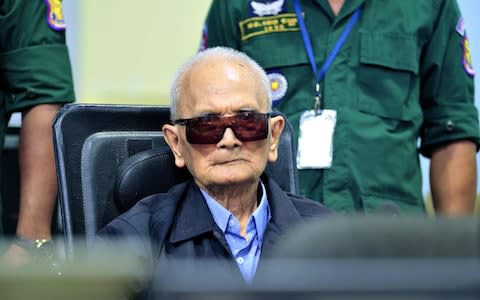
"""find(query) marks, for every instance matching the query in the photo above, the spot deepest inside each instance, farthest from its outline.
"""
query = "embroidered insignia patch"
(278, 87)
(460, 28)
(467, 57)
(255, 26)
(55, 14)
(267, 9)
(203, 42)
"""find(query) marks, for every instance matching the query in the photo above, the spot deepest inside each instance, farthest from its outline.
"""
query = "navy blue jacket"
(179, 224)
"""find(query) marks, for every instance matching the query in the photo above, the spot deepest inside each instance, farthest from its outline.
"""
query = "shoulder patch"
(460, 27)
(467, 57)
(203, 41)
(55, 14)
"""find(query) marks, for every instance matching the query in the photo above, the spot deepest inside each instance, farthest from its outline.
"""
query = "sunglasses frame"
(231, 119)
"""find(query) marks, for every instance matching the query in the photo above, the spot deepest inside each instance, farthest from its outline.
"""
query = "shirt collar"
(262, 214)
(347, 9)
(193, 216)
(221, 215)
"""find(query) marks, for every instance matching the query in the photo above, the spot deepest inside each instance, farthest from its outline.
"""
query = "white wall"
(126, 51)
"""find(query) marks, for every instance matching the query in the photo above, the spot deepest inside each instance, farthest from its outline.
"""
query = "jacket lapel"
(284, 214)
(193, 217)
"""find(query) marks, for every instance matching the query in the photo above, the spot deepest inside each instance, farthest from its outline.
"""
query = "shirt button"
(450, 125)
(240, 260)
(231, 223)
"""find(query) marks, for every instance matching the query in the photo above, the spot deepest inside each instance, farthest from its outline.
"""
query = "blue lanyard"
(331, 56)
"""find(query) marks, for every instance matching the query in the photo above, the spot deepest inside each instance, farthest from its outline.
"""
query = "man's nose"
(229, 139)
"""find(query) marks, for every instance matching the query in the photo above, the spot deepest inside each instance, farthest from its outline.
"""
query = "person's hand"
(23, 251)
(16, 256)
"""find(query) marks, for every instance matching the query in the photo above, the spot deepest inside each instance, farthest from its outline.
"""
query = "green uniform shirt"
(34, 62)
(401, 83)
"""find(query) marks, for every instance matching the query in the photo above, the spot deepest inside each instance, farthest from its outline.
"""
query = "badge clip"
(318, 100)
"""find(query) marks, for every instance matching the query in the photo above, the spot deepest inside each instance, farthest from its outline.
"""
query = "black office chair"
(110, 156)
(90, 142)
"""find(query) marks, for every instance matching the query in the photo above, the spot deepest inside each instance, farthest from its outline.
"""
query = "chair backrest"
(102, 153)
(90, 142)
(139, 176)
(107, 156)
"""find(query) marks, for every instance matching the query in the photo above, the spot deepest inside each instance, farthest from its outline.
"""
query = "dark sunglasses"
(209, 129)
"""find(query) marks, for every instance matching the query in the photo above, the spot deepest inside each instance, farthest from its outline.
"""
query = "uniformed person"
(362, 81)
(35, 79)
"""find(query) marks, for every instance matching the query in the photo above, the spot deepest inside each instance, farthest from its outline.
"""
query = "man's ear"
(277, 124)
(171, 136)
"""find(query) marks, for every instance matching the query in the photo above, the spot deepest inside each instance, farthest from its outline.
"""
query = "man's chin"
(233, 180)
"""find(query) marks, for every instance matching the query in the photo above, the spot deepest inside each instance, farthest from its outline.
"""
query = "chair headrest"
(146, 173)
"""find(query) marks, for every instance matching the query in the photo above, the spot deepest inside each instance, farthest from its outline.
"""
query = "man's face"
(216, 86)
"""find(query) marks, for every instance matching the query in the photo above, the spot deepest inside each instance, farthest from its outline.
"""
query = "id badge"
(315, 142)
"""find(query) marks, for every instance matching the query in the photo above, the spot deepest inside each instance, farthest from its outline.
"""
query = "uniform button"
(240, 260)
(450, 125)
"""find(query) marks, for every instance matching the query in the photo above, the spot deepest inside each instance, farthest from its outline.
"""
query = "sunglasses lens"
(205, 130)
(247, 126)
(250, 126)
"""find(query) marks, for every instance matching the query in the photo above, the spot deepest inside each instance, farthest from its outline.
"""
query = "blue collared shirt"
(246, 251)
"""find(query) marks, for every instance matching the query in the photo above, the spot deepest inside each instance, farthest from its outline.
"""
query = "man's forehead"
(210, 91)
(221, 106)
(193, 105)
(219, 62)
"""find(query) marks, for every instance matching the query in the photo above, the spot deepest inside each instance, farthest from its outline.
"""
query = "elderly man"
(224, 133)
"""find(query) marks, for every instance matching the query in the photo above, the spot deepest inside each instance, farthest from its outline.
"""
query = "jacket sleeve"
(33, 55)
(447, 91)
(122, 245)
(128, 233)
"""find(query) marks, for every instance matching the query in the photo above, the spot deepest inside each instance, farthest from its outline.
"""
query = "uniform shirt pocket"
(389, 62)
